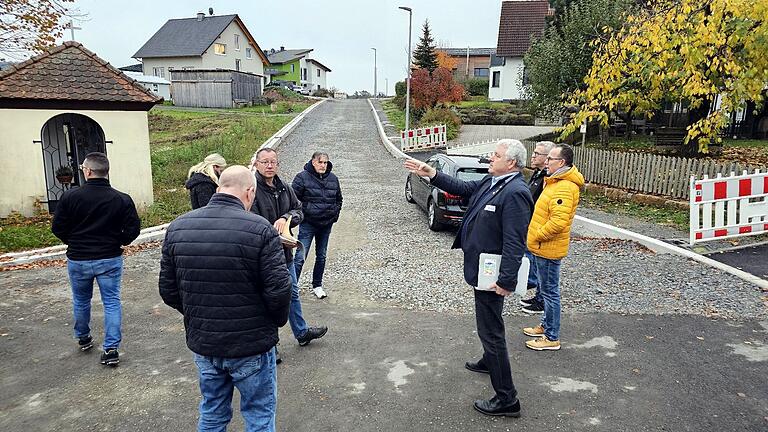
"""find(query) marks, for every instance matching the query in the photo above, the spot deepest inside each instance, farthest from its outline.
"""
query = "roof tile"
(71, 72)
(520, 21)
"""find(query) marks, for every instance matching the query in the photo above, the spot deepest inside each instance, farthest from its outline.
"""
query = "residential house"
(157, 85)
(56, 108)
(204, 42)
(470, 62)
(520, 22)
(296, 66)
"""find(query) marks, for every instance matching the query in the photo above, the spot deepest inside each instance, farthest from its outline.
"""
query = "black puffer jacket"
(536, 182)
(275, 202)
(224, 269)
(320, 195)
(201, 189)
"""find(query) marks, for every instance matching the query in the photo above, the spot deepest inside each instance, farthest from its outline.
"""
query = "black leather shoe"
(477, 367)
(494, 408)
(312, 333)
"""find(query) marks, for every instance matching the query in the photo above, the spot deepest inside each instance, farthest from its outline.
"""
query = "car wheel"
(409, 191)
(434, 224)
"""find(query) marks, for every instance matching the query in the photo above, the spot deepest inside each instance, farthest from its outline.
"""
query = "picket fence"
(648, 173)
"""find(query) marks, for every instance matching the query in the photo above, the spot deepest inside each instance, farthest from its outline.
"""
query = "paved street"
(644, 350)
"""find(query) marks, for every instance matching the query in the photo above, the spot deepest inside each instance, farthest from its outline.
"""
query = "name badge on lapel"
(490, 208)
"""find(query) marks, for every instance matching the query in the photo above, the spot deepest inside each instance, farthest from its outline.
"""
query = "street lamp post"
(386, 86)
(375, 89)
(408, 82)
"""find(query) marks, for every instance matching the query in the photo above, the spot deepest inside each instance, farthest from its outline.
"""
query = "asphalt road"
(753, 259)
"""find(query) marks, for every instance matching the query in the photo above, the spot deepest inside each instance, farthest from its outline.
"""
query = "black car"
(444, 209)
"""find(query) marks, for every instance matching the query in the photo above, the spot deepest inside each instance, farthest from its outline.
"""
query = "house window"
(237, 42)
(526, 78)
(496, 79)
(481, 72)
(248, 53)
(158, 72)
(220, 49)
(318, 73)
(293, 68)
(304, 74)
(237, 64)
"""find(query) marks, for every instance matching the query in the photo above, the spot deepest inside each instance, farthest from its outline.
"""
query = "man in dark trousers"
(535, 304)
(319, 191)
(94, 221)
(496, 222)
(224, 269)
(276, 202)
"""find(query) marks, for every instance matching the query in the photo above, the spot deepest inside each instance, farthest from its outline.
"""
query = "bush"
(442, 115)
(322, 93)
(401, 88)
(274, 94)
(476, 87)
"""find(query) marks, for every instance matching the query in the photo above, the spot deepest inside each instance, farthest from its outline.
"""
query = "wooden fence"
(648, 173)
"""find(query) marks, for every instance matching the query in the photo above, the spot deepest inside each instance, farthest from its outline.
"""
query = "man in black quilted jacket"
(319, 191)
(224, 269)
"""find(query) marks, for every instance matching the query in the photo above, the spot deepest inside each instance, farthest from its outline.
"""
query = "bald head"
(239, 182)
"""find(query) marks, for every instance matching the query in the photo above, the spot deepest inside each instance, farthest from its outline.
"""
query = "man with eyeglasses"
(496, 221)
(276, 202)
(535, 304)
(94, 221)
(549, 235)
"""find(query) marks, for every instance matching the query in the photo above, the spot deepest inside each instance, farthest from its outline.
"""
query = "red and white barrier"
(423, 138)
(725, 207)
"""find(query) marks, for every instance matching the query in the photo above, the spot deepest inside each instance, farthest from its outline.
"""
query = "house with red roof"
(56, 108)
(521, 21)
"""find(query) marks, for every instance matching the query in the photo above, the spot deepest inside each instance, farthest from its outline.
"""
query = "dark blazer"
(95, 220)
(536, 183)
(320, 195)
(495, 222)
(223, 268)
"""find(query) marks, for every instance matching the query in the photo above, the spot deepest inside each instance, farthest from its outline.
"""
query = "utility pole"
(408, 87)
(375, 89)
(386, 86)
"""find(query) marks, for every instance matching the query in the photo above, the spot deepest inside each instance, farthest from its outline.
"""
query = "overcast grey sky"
(342, 32)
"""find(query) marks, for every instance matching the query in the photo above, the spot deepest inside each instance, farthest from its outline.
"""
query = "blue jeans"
(295, 316)
(321, 235)
(255, 378)
(549, 287)
(108, 273)
(533, 279)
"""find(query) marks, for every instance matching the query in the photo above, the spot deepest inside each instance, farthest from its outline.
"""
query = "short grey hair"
(515, 151)
(548, 145)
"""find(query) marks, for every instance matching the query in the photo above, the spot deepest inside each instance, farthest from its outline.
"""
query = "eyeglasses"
(551, 158)
(82, 167)
(539, 154)
(268, 163)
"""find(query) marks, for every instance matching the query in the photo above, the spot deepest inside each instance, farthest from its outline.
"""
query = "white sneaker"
(319, 292)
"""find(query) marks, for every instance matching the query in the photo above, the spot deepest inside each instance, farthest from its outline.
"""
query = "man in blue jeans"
(223, 268)
(94, 221)
(276, 202)
(319, 191)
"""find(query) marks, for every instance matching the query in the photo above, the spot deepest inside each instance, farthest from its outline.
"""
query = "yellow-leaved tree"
(30, 26)
(695, 51)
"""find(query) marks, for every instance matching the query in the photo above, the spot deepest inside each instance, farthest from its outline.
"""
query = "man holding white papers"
(496, 222)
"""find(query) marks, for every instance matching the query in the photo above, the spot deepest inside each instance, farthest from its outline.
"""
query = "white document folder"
(488, 273)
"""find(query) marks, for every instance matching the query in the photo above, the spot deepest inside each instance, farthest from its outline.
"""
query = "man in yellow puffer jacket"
(549, 235)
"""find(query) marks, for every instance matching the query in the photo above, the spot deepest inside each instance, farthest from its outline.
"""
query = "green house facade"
(296, 66)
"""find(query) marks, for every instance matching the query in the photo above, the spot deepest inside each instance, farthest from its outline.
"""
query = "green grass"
(750, 143)
(280, 107)
(633, 143)
(481, 103)
(660, 215)
(178, 140)
(395, 115)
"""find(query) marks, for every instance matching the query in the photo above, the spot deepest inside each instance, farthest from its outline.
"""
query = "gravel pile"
(402, 263)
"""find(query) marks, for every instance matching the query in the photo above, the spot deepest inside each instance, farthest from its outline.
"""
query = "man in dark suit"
(496, 222)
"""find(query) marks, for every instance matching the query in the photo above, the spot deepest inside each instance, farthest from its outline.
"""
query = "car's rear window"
(469, 174)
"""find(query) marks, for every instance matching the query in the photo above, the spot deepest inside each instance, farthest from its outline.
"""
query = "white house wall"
(211, 60)
(314, 80)
(23, 182)
(510, 82)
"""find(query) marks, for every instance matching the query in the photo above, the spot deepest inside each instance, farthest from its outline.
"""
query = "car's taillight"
(451, 196)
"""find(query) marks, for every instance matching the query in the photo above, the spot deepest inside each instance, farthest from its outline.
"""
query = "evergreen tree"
(424, 56)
